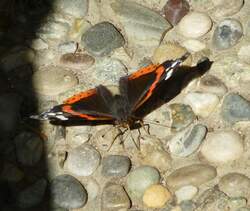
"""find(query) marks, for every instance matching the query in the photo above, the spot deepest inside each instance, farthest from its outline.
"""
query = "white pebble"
(186, 193)
(193, 45)
(244, 54)
(194, 25)
(222, 147)
(202, 103)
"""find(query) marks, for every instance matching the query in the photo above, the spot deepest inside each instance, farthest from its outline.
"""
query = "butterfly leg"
(136, 142)
(119, 135)
(144, 127)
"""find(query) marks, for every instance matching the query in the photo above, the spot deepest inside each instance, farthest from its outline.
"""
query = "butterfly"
(137, 95)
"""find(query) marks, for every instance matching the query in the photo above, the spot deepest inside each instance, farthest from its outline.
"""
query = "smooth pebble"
(115, 166)
(67, 192)
(235, 108)
(67, 47)
(194, 45)
(156, 196)
(203, 104)
(235, 185)
(194, 174)
(201, 23)
(115, 197)
(227, 34)
(186, 193)
(222, 146)
(140, 179)
(187, 141)
(244, 54)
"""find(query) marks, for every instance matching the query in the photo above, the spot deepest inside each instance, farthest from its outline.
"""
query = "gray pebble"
(67, 192)
(83, 160)
(67, 47)
(32, 195)
(235, 108)
(29, 148)
(101, 39)
(187, 206)
(115, 197)
(140, 179)
(227, 34)
(187, 141)
(115, 166)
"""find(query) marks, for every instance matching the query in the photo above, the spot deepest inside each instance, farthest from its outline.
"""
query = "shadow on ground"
(19, 23)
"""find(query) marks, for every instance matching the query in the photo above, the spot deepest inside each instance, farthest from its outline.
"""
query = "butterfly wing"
(86, 107)
(140, 86)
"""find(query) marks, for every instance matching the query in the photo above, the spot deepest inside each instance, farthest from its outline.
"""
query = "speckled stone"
(181, 116)
(76, 8)
(156, 196)
(101, 39)
(115, 166)
(187, 141)
(235, 185)
(32, 195)
(53, 80)
(114, 197)
(79, 61)
(140, 179)
(29, 148)
(83, 160)
(235, 108)
(195, 174)
(67, 192)
(222, 146)
(200, 22)
(227, 34)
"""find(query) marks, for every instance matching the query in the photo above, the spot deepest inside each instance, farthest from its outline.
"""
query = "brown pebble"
(175, 10)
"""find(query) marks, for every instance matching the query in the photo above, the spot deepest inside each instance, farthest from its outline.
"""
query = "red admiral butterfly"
(139, 93)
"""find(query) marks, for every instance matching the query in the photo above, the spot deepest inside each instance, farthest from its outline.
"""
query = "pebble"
(187, 141)
(76, 8)
(244, 54)
(187, 206)
(29, 148)
(212, 84)
(78, 28)
(227, 34)
(79, 61)
(17, 57)
(32, 195)
(181, 115)
(114, 197)
(10, 104)
(226, 8)
(53, 80)
(203, 104)
(222, 146)
(67, 47)
(83, 160)
(140, 179)
(39, 44)
(201, 23)
(108, 70)
(194, 45)
(235, 108)
(67, 192)
(101, 39)
(93, 189)
(141, 24)
(156, 196)
(235, 185)
(11, 173)
(195, 174)
(174, 51)
(55, 30)
(157, 158)
(175, 10)
(115, 166)
(186, 193)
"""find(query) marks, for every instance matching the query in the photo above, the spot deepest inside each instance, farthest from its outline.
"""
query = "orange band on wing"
(68, 109)
(143, 71)
(80, 96)
(159, 71)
